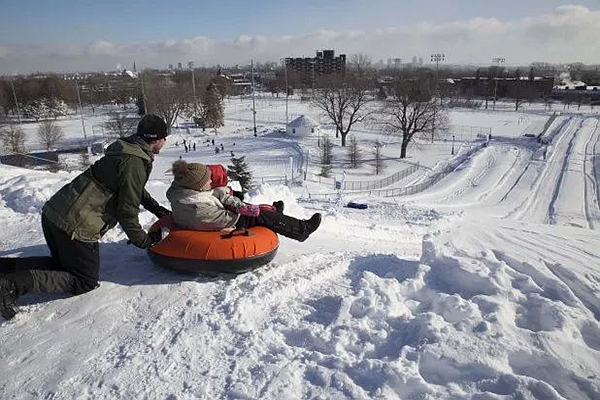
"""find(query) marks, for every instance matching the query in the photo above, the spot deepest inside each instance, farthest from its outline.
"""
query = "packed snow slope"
(485, 286)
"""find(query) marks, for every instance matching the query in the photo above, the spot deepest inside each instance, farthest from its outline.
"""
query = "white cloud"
(100, 48)
(569, 33)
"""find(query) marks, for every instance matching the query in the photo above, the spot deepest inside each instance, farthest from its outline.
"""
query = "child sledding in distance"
(198, 206)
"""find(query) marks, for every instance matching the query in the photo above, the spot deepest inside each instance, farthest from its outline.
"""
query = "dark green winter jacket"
(107, 193)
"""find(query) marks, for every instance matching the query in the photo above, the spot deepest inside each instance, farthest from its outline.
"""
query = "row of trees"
(412, 111)
(355, 156)
(12, 136)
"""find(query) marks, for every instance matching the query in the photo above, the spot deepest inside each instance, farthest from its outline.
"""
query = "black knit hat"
(152, 127)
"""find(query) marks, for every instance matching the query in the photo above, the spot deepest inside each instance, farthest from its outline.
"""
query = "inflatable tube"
(359, 206)
(211, 252)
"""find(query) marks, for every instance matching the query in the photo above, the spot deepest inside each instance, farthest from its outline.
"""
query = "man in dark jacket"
(78, 215)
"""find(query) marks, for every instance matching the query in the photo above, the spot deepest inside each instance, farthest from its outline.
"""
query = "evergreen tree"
(213, 107)
(57, 108)
(240, 171)
(326, 157)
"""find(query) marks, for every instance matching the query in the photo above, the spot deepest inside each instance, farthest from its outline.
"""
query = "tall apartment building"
(325, 63)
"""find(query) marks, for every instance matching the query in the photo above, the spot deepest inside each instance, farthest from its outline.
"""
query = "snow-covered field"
(484, 286)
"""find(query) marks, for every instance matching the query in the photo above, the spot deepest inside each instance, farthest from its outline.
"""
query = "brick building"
(308, 69)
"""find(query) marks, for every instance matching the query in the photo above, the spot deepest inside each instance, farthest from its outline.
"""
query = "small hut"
(302, 126)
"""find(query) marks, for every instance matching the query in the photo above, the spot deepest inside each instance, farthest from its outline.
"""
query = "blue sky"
(72, 21)
(40, 35)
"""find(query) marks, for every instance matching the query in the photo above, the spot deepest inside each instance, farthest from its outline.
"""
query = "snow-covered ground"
(484, 286)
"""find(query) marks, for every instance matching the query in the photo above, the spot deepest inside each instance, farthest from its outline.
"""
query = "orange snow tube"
(211, 252)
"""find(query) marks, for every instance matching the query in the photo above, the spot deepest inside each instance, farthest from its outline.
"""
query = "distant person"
(198, 206)
(217, 150)
(194, 145)
(81, 212)
(222, 147)
(212, 141)
(232, 155)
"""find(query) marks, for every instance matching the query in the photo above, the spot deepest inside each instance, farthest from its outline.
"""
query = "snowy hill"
(484, 286)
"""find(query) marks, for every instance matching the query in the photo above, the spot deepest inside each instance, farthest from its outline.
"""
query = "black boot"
(288, 226)
(310, 225)
(13, 286)
(279, 206)
(8, 298)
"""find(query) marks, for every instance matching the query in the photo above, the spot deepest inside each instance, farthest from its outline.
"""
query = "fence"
(412, 189)
(273, 180)
(469, 133)
(370, 185)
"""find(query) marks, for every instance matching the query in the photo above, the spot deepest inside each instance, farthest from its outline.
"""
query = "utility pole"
(146, 110)
(286, 92)
(499, 61)
(12, 84)
(191, 67)
(81, 110)
(253, 101)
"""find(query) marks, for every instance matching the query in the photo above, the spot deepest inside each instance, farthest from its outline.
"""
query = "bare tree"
(119, 125)
(360, 64)
(354, 153)
(165, 98)
(378, 164)
(49, 133)
(344, 103)
(13, 138)
(412, 112)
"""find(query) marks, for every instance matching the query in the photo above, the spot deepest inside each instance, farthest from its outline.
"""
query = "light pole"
(12, 84)
(437, 58)
(253, 101)
(499, 61)
(452, 145)
(191, 67)
(287, 91)
(81, 110)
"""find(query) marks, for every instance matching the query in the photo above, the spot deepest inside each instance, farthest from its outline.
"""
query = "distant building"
(325, 63)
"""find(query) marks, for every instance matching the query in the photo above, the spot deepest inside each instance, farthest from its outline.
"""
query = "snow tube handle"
(237, 232)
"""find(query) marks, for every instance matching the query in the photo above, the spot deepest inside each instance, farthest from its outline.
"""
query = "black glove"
(155, 237)
(161, 211)
(239, 195)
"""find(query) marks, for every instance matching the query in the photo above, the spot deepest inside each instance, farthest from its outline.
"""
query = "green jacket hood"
(133, 145)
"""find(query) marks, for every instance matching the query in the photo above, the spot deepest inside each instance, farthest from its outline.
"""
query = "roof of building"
(303, 122)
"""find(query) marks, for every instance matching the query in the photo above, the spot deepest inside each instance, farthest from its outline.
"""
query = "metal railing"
(371, 185)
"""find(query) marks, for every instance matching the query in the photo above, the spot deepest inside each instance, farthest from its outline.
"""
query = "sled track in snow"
(507, 173)
(551, 215)
(529, 203)
(590, 178)
(474, 181)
